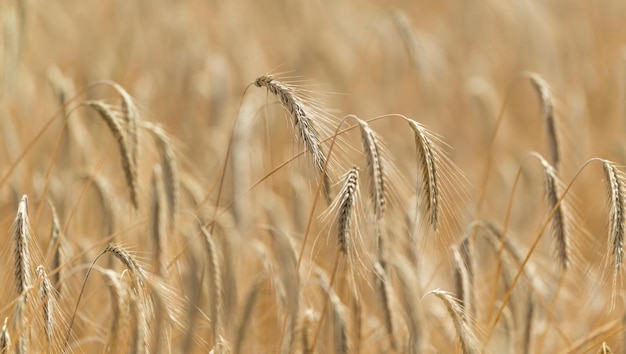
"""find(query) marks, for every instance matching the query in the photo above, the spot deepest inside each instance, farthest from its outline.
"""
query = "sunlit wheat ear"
(302, 115)
(21, 237)
(469, 342)
(138, 274)
(462, 281)
(169, 166)
(5, 338)
(131, 116)
(119, 311)
(158, 219)
(545, 95)
(561, 216)
(386, 293)
(106, 112)
(55, 249)
(617, 217)
(372, 151)
(45, 294)
(346, 202)
(427, 159)
(215, 283)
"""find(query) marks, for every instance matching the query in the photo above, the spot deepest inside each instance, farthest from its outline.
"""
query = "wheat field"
(312, 176)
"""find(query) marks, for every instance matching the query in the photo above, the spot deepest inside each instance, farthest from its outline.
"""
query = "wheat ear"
(427, 163)
(469, 342)
(604, 349)
(617, 215)
(158, 224)
(137, 272)
(21, 237)
(302, 120)
(45, 294)
(215, 283)
(560, 218)
(374, 159)
(545, 95)
(55, 248)
(462, 281)
(347, 201)
(169, 166)
(128, 163)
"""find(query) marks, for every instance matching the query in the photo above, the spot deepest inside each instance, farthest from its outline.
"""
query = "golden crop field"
(315, 176)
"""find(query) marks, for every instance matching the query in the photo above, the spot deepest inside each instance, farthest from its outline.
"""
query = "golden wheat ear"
(22, 260)
(109, 116)
(615, 180)
(469, 342)
(561, 216)
(45, 294)
(304, 122)
(347, 199)
(169, 167)
(547, 105)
